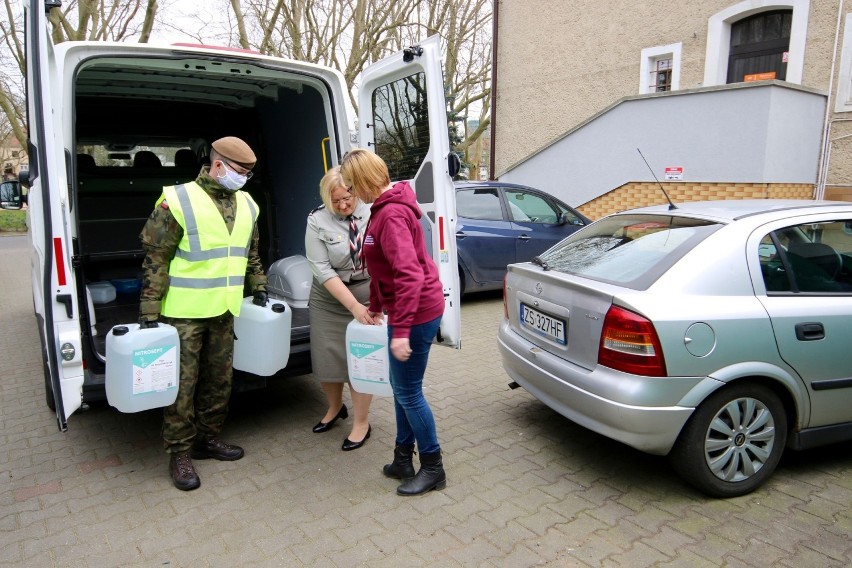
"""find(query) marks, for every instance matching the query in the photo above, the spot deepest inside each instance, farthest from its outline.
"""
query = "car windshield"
(630, 250)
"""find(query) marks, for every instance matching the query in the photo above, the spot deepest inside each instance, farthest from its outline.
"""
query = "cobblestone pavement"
(526, 486)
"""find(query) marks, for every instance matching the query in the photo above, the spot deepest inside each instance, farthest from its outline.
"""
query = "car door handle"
(810, 331)
(525, 237)
(460, 234)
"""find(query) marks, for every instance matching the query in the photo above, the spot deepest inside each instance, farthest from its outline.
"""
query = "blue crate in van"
(127, 285)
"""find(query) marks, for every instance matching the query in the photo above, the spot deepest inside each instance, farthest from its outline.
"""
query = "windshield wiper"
(541, 262)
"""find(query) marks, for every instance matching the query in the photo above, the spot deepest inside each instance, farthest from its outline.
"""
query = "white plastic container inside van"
(262, 344)
(142, 367)
(368, 358)
(102, 292)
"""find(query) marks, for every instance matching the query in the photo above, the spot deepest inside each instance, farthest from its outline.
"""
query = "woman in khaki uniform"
(340, 291)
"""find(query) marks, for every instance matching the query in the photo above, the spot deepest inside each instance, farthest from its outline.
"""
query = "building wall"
(560, 62)
(641, 194)
(736, 134)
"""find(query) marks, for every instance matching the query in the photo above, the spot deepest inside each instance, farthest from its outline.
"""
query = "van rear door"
(403, 118)
(53, 280)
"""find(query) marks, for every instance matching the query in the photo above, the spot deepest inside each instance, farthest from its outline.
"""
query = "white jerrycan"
(368, 358)
(142, 367)
(262, 344)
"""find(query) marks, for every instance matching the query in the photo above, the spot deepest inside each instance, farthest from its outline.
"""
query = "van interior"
(144, 123)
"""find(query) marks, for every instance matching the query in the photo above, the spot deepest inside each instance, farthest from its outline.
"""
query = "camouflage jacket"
(160, 238)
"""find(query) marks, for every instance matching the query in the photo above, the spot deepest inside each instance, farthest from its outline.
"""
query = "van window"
(142, 156)
(401, 122)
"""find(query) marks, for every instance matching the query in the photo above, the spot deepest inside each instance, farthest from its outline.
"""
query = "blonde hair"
(329, 182)
(365, 174)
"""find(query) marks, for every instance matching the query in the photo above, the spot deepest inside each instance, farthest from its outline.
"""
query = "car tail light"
(629, 343)
(505, 300)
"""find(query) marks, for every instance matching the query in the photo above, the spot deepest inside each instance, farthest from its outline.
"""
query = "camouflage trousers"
(206, 374)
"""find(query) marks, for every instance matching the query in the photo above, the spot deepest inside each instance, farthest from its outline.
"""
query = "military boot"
(183, 472)
(210, 447)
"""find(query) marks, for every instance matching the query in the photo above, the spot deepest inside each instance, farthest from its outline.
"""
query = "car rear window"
(629, 250)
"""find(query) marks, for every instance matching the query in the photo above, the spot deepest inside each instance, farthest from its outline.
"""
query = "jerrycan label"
(369, 361)
(154, 369)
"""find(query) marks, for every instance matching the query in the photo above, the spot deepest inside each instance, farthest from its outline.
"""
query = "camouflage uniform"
(206, 345)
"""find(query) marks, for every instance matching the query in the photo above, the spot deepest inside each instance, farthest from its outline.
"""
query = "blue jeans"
(414, 419)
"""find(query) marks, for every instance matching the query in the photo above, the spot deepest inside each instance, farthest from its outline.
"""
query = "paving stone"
(526, 487)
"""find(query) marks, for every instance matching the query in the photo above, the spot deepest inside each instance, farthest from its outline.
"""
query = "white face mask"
(232, 181)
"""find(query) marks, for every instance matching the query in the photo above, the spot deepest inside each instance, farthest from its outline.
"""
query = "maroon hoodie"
(404, 278)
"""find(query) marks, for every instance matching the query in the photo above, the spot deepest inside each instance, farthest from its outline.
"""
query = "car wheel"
(733, 442)
(461, 282)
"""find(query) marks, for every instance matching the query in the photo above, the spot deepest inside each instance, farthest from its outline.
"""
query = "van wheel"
(733, 442)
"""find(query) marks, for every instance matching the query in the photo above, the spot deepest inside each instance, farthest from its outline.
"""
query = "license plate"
(543, 324)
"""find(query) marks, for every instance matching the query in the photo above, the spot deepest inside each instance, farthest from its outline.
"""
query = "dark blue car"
(502, 223)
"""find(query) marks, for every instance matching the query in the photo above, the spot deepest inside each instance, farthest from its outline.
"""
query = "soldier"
(193, 281)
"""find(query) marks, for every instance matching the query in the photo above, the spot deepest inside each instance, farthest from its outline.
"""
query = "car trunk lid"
(556, 312)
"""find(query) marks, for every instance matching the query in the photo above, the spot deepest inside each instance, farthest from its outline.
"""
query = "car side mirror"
(10, 195)
(453, 164)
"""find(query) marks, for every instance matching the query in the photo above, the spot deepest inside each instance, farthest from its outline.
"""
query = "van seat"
(112, 210)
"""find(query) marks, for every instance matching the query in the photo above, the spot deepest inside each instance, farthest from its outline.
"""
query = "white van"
(145, 116)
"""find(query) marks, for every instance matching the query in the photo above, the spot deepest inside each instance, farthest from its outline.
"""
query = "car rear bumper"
(651, 429)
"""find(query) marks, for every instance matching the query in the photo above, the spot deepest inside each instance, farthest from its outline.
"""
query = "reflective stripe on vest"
(207, 274)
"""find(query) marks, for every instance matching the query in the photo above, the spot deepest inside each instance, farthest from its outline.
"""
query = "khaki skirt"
(328, 331)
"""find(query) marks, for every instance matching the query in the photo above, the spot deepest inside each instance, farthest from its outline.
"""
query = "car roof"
(472, 184)
(733, 209)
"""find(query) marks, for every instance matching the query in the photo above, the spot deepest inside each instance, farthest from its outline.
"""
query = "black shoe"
(401, 467)
(183, 472)
(217, 449)
(326, 426)
(349, 445)
(431, 476)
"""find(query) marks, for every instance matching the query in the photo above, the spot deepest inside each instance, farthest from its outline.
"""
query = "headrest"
(186, 158)
(86, 162)
(146, 159)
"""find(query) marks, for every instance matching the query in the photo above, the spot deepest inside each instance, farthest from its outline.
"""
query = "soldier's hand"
(260, 298)
(148, 323)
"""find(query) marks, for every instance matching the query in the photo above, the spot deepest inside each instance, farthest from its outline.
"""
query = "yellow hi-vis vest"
(207, 274)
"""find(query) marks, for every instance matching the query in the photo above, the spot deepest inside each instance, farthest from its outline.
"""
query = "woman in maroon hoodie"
(404, 284)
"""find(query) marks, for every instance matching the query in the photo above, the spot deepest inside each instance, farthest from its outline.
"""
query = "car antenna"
(671, 205)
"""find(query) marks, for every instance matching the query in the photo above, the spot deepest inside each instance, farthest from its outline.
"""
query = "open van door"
(403, 119)
(54, 296)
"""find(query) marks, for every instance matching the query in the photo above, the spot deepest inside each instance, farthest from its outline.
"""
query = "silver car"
(717, 333)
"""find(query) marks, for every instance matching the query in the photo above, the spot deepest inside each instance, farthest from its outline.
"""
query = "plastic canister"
(102, 292)
(262, 344)
(368, 358)
(142, 367)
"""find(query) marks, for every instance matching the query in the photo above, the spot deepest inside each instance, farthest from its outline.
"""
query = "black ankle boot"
(401, 468)
(431, 476)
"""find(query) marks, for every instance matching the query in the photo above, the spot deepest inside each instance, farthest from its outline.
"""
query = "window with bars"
(661, 75)
(659, 68)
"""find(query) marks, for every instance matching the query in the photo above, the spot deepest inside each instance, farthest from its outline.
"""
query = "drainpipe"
(494, 87)
(822, 171)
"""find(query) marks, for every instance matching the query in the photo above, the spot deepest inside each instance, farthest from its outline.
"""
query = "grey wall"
(747, 133)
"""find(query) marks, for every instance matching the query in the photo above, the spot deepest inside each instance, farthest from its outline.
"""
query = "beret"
(235, 150)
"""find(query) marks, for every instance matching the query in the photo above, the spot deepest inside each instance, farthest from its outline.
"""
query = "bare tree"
(350, 34)
(99, 20)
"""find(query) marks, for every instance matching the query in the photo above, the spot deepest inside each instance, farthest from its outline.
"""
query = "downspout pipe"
(822, 171)
(494, 27)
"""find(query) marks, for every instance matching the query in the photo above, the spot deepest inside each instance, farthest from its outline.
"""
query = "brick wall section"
(640, 194)
(838, 193)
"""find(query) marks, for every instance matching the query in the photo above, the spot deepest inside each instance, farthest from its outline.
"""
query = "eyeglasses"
(247, 173)
(347, 199)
